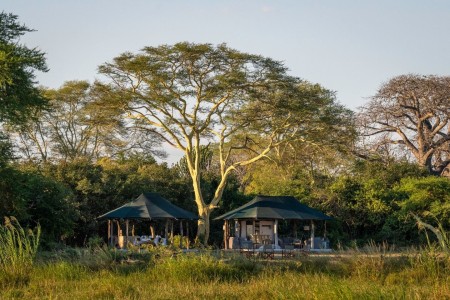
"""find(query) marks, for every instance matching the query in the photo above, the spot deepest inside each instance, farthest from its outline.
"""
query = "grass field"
(108, 274)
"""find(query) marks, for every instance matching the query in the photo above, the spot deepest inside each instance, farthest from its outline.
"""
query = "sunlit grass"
(160, 275)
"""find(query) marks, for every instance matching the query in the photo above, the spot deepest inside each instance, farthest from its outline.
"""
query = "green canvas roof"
(149, 206)
(274, 207)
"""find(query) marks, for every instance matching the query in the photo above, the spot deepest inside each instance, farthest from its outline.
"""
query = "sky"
(350, 47)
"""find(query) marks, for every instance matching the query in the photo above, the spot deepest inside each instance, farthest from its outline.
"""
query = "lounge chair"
(288, 251)
(247, 249)
(268, 252)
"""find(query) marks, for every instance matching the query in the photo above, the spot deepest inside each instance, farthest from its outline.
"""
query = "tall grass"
(441, 234)
(215, 275)
(18, 248)
(204, 268)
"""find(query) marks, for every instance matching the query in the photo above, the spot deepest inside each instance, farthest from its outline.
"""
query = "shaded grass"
(217, 276)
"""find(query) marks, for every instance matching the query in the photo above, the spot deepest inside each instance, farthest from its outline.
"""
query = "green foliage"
(428, 197)
(371, 200)
(102, 186)
(18, 95)
(365, 202)
(13, 202)
(270, 179)
(18, 249)
(49, 203)
(95, 242)
(34, 198)
(186, 243)
(6, 150)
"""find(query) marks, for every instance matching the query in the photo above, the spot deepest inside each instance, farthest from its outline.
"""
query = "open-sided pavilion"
(258, 220)
(148, 207)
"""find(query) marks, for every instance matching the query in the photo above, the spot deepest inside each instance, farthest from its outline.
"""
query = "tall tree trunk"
(425, 161)
(203, 225)
(203, 211)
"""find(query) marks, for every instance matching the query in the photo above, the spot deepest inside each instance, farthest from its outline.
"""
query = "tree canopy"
(73, 126)
(18, 63)
(192, 94)
(413, 111)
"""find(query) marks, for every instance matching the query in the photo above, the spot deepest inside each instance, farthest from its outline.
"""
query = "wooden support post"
(109, 232)
(229, 234)
(171, 232)
(118, 227)
(132, 230)
(225, 238)
(166, 230)
(112, 234)
(295, 228)
(275, 229)
(254, 228)
(187, 234)
(119, 231)
(312, 234)
(126, 232)
(181, 234)
(152, 231)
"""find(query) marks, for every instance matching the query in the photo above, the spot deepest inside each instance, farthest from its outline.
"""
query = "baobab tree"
(412, 111)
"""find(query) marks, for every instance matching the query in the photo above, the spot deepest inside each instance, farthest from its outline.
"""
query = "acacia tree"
(412, 111)
(67, 129)
(73, 126)
(193, 94)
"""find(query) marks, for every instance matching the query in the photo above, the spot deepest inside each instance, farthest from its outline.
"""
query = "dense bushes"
(35, 198)
(374, 202)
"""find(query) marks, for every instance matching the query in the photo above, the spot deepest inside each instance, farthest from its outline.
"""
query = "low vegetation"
(367, 273)
(18, 248)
